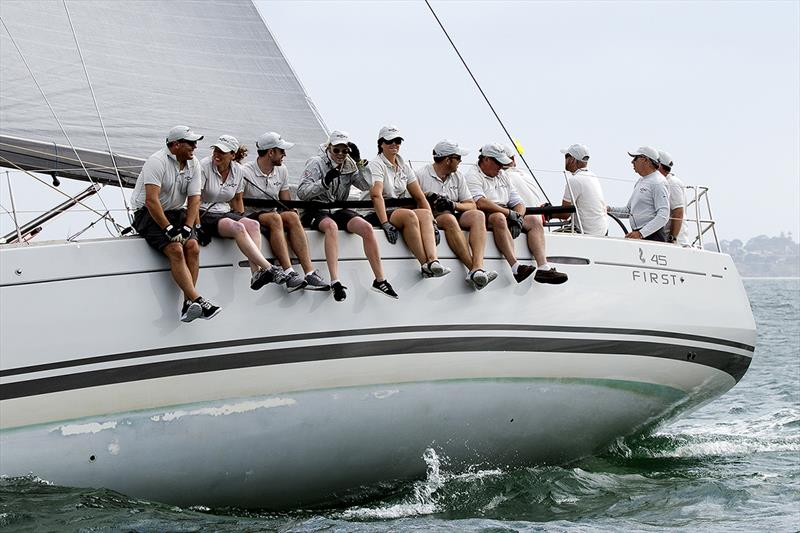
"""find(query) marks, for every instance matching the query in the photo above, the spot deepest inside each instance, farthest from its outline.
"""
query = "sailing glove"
(203, 236)
(174, 234)
(355, 153)
(437, 235)
(443, 204)
(514, 223)
(330, 176)
(391, 232)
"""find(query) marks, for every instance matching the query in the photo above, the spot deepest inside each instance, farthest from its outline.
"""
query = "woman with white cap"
(222, 205)
(392, 177)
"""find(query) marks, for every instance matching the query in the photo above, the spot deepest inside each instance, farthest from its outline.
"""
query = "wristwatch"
(670, 238)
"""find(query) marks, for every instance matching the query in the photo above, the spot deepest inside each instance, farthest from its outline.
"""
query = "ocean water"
(733, 465)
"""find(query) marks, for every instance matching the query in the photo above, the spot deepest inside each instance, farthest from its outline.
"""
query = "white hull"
(290, 399)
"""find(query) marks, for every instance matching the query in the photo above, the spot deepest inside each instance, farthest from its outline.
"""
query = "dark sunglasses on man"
(397, 140)
(338, 151)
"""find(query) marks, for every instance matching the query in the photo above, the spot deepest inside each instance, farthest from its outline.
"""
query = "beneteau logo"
(641, 256)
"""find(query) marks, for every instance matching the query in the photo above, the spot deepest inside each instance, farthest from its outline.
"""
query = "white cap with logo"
(578, 151)
(389, 132)
(665, 158)
(338, 137)
(497, 152)
(447, 147)
(226, 143)
(272, 139)
(182, 133)
(647, 151)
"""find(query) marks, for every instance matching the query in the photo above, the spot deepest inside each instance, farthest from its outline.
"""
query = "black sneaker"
(209, 310)
(524, 272)
(261, 277)
(338, 291)
(383, 287)
(190, 311)
(550, 276)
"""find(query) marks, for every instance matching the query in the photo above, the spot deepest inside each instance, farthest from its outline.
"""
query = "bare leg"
(297, 239)
(277, 240)
(475, 222)
(407, 222)
(230, 229)
(455, 238)
(191, 254)
(180, 271)
(425, 218)
(502, 237)
(535, 229)
(331, 230)
(363, 229)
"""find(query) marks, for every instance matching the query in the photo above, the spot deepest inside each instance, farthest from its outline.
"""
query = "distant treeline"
(765, 256)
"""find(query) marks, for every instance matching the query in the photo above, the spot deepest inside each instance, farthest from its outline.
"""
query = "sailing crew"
(267, 178)
(327, 178)
(454, 210)
(505, 211)
(648, 207)
(222, 209)
(392, 177)
(583, 190)
(675, 230)
(526, 188)
(164, 218)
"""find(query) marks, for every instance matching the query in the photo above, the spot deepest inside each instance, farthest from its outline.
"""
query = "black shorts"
(312, 218)
(210, 221)
(154, 234)
(372, 217)
(658, 236)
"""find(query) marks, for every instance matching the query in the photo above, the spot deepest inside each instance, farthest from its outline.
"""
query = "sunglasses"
(398, 140)
(456, 157)
(638, 157)
(193, 144)
(338, 151)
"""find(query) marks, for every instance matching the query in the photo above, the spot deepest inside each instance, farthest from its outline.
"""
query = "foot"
(491, 275)
(383, 287)
(209, 310)
(434, 269)
(294, 281)
(314, 282)
(524, 272)
(339, 293)
(190, 311)
(261, 277)
(278, 276)
(478, 279)
(550, 276)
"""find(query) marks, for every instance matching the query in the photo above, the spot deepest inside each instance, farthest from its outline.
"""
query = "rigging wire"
(99, 116)
(478, 85)
(55, 116)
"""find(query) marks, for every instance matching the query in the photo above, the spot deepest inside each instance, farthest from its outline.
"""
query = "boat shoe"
(550, 276)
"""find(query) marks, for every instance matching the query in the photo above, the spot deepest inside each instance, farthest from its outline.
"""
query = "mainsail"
(213, 66)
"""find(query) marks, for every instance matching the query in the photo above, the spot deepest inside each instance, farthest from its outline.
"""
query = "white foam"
(227, 409)
(91, 427)
(382, 394)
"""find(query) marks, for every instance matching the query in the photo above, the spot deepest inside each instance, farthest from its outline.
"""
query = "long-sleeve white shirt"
(648, 207)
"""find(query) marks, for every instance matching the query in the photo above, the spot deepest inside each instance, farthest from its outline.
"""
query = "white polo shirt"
(272, 184)
(163, 169)
(525, 186)
(395, 178)
(216, 192)
(454, 186)
(588, 200)
(677, 199)
(498, 189)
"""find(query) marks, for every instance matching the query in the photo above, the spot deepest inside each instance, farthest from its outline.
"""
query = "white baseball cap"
(447, 147)
(578, 151)
(182, 133)
(497, 152)
(338, 137)
(665, 158)
(647, 151)
(389, 132)
(272, 139)
(226, 143)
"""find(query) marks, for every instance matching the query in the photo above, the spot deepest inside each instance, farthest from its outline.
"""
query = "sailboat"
(288, 400)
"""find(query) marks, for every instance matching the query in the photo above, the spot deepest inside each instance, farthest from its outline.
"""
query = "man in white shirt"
(584, 192)
(455, 210)
(648, 207)
(162, 217)
(505, 211)
(676, 231)
(267, 178)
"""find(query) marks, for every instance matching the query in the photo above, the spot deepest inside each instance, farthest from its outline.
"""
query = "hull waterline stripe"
(734, 364)
(359, 332)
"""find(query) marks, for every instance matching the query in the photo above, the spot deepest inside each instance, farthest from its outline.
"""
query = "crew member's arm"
(676, 221)
(192, 211)
(416, 193)
(376, 195)
(237, 203)
(661, 206)
(153, 204)
(311, 184)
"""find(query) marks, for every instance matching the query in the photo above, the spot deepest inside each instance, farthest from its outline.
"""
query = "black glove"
(355, 153)
(330, 176)
(203, 237)
(437, 235)
(443, 203)
(174, 234)
(514, 223)
(186, 232)
(547, 216)
(391, 232)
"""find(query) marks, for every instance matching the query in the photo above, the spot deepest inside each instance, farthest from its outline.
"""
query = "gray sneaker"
(294, 281)
(278, 276)
(478, 279)
(191, 311)
(314, 282)
(434, 269)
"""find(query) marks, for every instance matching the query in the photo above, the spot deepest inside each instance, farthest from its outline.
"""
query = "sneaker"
(278, 275)
(261, 277)
(524, 272)
(190, 311)
(383, 287)
(294, 281)
(478, 279)
(550, 276)
(434, 269)
(338, 291)
(314, 282)
(209, 310)
(491, 275)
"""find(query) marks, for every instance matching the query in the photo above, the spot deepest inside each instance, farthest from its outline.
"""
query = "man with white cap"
(267, 178)
(168, 178)
(583, 190)
(523, 183)
(495, 195)
(327, 178)
(648, 207)
(676, 231)
(454, 209)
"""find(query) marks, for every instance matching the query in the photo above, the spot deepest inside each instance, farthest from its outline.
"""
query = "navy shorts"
(154, 234)
(210, 221)
(342, 217)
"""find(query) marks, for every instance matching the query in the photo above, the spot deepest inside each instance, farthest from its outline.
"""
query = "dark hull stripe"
(733, 364)
(356, 332)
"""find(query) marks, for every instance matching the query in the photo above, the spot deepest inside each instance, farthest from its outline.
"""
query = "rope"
(99, 116)
(478, 85)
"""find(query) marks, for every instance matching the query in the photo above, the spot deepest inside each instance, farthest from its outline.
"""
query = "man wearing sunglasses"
(327, 178)
(455, 211)
(648, 207)
(168, 178)
(494, 194)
